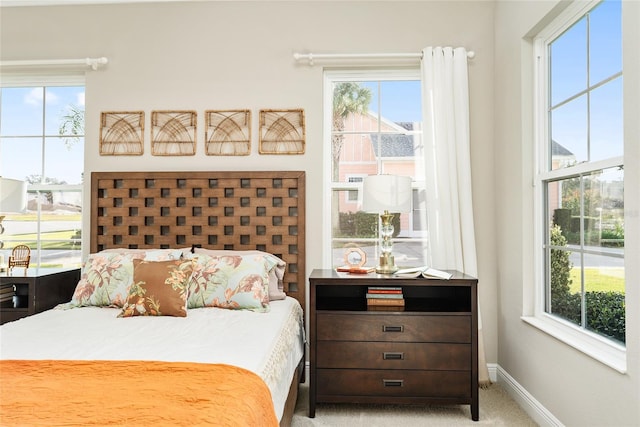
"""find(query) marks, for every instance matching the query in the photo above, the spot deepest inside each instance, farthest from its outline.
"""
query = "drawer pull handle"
(386, 328)
(392, 356)
(393, 383)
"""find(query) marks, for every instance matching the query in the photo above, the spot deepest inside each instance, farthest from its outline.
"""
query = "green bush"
(560, 267)
(362, 225)
(570, 227)
(613, 238)
(366, 224)
(562, 218)
(605, 312)
(346, 225)
(591, 238)
(567, 306)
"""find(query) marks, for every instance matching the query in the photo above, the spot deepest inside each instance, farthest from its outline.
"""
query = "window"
(374, 126)
(581, 172)
(41, 172)
(352, 196)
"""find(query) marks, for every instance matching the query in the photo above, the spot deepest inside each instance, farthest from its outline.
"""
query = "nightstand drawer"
(393, 383)
(391, 355)
(393, 327)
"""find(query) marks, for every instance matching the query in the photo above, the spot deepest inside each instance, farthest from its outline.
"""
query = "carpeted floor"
(496, 409)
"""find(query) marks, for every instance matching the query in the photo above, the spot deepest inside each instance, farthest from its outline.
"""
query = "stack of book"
(6, 295)
(385, 298)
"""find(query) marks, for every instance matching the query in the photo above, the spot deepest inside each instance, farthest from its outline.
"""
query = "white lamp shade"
(386, 193)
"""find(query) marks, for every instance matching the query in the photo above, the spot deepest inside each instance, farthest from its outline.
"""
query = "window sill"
(598, 348)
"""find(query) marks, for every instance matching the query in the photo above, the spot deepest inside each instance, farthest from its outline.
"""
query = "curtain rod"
(93, 63)
(313, 56)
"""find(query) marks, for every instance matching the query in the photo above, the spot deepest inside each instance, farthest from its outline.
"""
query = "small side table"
(38, 290)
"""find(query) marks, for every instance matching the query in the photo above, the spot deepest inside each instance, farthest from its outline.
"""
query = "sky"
(401, 100)
(570, 76)
(21, 114)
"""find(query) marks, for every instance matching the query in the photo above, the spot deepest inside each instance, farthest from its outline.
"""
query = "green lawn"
(50, 240)
(598, 279)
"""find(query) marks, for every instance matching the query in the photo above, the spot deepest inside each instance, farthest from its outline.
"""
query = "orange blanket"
(136, 393)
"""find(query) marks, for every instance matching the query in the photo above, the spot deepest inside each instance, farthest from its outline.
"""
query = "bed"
(199, 354)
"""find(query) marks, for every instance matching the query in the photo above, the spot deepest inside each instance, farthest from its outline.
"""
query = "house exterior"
(391, 151)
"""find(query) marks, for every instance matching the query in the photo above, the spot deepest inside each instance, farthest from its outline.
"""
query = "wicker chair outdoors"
(20, 257)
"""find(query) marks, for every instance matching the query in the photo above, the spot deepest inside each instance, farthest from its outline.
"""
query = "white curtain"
(447, 168)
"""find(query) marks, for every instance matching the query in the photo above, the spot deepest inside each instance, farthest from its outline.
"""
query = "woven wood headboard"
(214, 210)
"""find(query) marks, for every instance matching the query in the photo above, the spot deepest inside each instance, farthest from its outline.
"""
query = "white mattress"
(206, 335)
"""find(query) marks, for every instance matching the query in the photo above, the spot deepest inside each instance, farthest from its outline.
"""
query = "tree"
(72, 123)
(39, 179)
(585, 192)
(560, 264)
(348, 98)
(563, 303)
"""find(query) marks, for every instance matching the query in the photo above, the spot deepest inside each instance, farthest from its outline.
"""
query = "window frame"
(352, 75)
(592, 344)
(36, 78)
(356, 179)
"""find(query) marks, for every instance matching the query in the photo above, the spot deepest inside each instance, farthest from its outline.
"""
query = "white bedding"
(206, 335)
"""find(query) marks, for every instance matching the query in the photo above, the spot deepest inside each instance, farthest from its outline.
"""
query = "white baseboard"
(493, 372)
(531, 406)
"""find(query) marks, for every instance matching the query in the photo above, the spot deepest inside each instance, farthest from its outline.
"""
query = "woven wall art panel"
(173, 133)
(122, 133)
(282, 132)
(228, 132)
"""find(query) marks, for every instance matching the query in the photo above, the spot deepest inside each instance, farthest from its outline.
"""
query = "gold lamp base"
(387, 264)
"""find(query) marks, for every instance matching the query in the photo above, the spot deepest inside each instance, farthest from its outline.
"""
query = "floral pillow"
(107, 276)
(159, 288)
(274, 265)
(230, 281)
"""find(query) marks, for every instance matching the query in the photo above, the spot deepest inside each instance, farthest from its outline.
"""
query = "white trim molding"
(341, 57)
(48, 72)
(92, 63)
(593, 345)
(527, 402)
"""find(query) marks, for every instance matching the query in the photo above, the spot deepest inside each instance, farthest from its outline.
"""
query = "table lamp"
(386, 195)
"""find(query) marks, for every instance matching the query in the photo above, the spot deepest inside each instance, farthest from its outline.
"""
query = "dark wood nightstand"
(40, 289)
(423, 353)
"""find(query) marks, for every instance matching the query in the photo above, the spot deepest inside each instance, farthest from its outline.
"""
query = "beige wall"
(575, 388)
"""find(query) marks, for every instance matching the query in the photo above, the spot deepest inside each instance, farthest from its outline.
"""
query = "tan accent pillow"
(159, 288)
